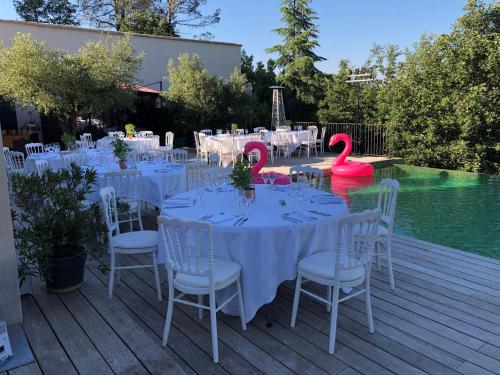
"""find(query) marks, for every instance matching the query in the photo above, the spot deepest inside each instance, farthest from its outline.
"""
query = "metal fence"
(367, 139)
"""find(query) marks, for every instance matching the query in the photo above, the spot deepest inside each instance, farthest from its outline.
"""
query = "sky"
(347, 28)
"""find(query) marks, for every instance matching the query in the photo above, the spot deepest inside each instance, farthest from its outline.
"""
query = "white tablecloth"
(267, 246)
(239, 142)
(159, 180)
(293, 138)
(94, 157)
(143, 144)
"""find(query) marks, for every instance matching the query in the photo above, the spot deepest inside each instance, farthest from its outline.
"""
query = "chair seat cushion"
(224, 270)
(382, 231)
(136, 240)
(322, 264)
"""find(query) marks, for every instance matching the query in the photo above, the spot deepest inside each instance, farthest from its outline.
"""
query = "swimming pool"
(456, 209)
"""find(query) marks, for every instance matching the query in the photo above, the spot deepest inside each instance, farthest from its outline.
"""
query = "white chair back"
(33, 148)
(355, 240)
(79, 158)
(169, 140)
(194, 173)
(240, 131)
(183, 242)
(387, 199)
(323, 132)
(14, 161)
(179, 156)
(126, 183)
(258, 129)
(314, 175)
(109, 211)
(213, 160)
(41, 166)
(206, 131)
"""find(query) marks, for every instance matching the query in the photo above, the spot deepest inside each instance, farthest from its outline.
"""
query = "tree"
(444, 99)
(94, 79)
(60, 12)
(296, 56)
(160, 17)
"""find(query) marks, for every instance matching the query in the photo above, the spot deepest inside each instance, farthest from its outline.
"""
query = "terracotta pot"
(130, 136)
(123, 164)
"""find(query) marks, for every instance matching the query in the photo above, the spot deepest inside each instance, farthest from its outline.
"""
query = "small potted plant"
(54, 227)
(234, 128)
(130, 130)
(242, 178)
(121, 150)
(69, 141)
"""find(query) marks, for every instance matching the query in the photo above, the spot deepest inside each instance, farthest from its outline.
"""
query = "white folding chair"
(127, 187)
(139, 242)
(179, 155)
(227, 150)
(193, 269)
(313, 175)
(387, 199)
(41, 165)
(347, 265)
(33, 148)
(311, 143)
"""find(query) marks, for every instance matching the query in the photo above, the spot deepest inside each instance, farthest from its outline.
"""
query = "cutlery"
(243, 221)
(319, 213)
(206, 217)
(291, 219)
(238, 221)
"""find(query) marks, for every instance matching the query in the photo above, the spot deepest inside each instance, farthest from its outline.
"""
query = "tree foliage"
(55, 82)
(159, 17)
(61, 12)
(198, 99)
(296, 56)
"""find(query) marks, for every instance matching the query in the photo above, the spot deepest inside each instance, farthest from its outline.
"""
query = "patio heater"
(358, 78)
(278, 111)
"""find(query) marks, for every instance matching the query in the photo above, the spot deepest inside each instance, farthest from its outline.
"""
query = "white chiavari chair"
(33, 148)
(311, 143)
(139, 242)
(179, 155)
(347, 265)
(194, 173)
(15, 162)
(190, 272)
(127, 184)
(41, 165)
(227, 150)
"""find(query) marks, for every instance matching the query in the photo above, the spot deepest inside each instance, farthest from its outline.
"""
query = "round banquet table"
(269, 244)
(55, 160)
(143, 143)
(159, 180)
(294, 138)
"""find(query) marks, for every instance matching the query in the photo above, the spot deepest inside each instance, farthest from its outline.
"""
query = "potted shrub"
(130, 130)
(242, 178)
(54, 227)
(69, 141)
(121, 150)
(234, 128)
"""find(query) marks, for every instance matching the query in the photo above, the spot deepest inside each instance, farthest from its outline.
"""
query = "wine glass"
(200, 191)
(265, 178)
(246, 131)
(272, 179)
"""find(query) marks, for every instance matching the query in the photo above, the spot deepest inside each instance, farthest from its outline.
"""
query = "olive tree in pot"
(121, 151)
(54, 228)
(242, 178)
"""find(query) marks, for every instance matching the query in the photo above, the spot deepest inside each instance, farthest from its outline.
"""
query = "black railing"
(367, 139)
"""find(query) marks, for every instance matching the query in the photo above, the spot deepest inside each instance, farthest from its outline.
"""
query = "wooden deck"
(442, 318)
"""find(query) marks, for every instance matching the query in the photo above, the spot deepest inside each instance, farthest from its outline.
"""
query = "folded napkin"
(163, 170)
(220, 218)
(178, 202)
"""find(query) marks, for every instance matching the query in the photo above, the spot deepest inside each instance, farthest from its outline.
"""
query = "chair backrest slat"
(33, 148)
(387, 199)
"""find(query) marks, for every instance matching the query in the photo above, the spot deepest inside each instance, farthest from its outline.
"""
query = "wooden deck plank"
(405, 347)
(119, 357)
(155, 358)
(141, 298)
(75, 342)
(30, 369)
(470, 369)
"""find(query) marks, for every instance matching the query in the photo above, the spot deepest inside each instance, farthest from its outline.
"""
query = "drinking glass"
(246, 131)
(199, 191)
(272, 178)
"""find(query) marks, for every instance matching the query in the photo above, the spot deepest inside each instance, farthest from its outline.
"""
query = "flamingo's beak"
(333, 141)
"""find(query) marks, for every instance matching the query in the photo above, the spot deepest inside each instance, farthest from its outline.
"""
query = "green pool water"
(456, 209)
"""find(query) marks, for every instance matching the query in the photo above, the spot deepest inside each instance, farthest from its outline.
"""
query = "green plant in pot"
(121, 151)
(69, 141)
(130, 130)
(234, 128)
(54, 226)
(242, 178)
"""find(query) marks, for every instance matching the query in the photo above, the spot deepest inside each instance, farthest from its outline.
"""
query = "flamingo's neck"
(249, 147)
(346, 151)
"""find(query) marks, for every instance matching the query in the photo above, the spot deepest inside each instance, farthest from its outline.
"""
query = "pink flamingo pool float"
(281, 179)
(340, 166)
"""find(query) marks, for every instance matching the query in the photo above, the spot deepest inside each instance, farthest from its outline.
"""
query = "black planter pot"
(66, 274)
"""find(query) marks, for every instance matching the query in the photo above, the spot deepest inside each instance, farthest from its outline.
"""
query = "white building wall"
(218, 57)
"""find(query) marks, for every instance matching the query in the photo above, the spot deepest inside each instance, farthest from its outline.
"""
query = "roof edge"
(114, 32)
